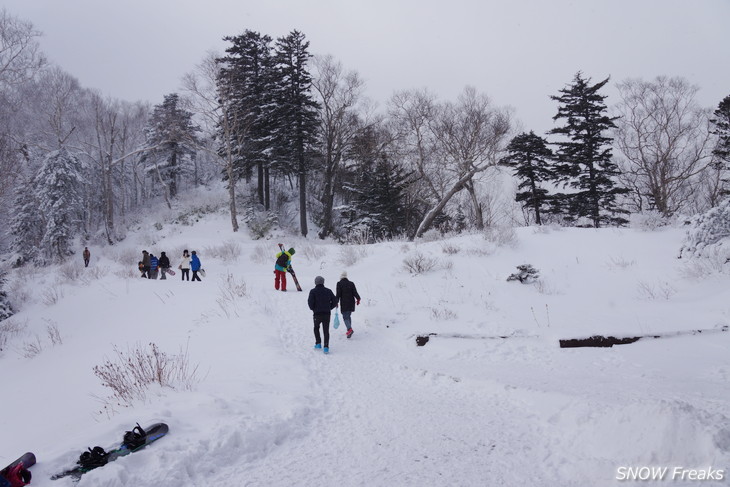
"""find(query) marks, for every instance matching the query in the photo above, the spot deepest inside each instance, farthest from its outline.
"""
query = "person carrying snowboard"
(347, 298)
(321, 301)
(164, 263)
(87, 256)
(195, 265)
(185, 265)
(283, 261)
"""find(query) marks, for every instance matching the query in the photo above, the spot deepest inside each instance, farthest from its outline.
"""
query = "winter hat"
(318, 280)
(291, 251)
(343, 275)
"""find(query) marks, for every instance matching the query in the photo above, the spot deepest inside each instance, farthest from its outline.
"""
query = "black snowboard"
(152, 433)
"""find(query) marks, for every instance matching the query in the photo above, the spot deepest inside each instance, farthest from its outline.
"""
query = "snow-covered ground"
(466, 410)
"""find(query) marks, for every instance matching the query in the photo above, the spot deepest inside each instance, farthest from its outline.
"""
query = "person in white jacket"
(185, 266)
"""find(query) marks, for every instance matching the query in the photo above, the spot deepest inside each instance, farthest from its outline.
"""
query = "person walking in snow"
(283, 261)
(145, 264)
(321, 301)
(164, 264)
(195, 265)
(87, 256)
(154, 262)
(347, 298)
(185, 265)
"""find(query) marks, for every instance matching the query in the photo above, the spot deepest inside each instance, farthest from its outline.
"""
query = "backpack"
(282, 260)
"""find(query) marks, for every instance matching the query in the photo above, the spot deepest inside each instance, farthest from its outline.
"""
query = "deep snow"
(380, 411)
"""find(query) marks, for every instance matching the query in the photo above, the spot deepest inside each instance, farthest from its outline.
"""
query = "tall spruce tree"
(296, 114)
(59, 185)
(584, 159)
(529, 156)
(27, 224)
(721, 121)
(247, 70)
(171, 137)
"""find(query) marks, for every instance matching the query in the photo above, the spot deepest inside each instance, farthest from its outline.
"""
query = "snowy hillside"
(471, 409)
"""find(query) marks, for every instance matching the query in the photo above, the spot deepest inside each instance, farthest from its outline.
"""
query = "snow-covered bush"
(708, 233)
(133, 372)
(9, 329)
(262, 254)
(419, 263)
(431, 235)
(526, 274)
(311, 252)
(450, 249)
(260, 223)
(350, 254)
(648, 221)
(501, 236)
(227, 251)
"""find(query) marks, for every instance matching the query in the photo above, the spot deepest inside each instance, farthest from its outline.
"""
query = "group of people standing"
(321, 299)
(151, 266)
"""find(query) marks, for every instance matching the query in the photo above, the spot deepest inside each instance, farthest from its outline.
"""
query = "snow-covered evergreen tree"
(6, 311)
(27, 224)
(295, 114)
(721, 121)
(171, 135)
(584, 159)
(59, 184)
(529, 156)
(709, 233)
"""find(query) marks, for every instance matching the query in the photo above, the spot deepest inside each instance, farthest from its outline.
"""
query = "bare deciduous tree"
(450, 144)
(665, 138)
(211, 99)
(20, 55)
(338, 93)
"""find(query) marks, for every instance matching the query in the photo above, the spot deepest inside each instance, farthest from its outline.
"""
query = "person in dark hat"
(321, 301)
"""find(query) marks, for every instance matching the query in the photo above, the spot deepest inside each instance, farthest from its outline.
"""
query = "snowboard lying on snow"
(133, 441)
(17, 471)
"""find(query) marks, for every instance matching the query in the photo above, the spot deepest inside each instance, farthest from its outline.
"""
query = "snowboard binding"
(135, 438)
(93, 458)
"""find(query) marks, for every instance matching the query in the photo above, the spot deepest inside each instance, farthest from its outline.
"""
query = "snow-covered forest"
(300, 145)
(479, 247)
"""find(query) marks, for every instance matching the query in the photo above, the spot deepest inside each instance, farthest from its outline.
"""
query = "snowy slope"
(380, 411)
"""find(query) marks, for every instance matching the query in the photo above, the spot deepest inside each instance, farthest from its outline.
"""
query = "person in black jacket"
(347, 298)
(164, 263)
(321, 301)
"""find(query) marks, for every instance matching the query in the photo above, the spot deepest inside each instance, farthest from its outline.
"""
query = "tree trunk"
(328, 199)
(267, 189)
(478, 213)
(431, 215)
(303, 201)
(260, 188)
(232, 197)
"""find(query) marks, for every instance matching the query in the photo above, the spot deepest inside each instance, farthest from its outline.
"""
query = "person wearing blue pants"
(347, 298)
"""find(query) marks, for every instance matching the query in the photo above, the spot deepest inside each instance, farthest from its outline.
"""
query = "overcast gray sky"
(519, 52)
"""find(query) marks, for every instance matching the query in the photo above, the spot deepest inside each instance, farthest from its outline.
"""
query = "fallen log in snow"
(610, 341)
(421, 340)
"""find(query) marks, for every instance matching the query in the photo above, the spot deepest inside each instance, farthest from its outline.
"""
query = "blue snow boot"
(326, 350)
(317, 345)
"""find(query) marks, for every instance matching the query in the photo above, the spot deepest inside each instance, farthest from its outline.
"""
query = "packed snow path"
(378, 410)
